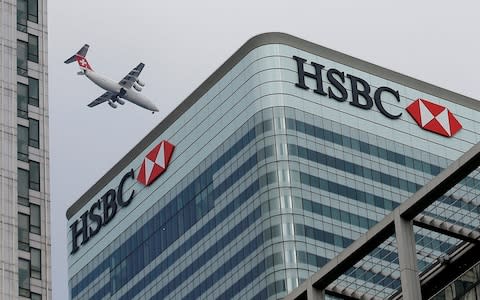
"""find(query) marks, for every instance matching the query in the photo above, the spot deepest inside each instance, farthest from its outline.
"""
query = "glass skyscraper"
(280, 159)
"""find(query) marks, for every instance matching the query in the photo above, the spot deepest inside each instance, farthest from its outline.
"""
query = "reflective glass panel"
(22, 66)
(33, 91)
(22, 100)
(22, 187)
(34, 133)
(33, 48)
(34, 175)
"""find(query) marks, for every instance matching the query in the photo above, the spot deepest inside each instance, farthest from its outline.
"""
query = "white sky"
(182, 43)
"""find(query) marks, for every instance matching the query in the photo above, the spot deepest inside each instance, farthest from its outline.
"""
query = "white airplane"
(115, 91)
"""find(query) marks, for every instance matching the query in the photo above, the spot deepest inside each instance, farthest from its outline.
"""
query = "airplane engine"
(140, 83)
(137, 87)
(113, 105)
(120, 101)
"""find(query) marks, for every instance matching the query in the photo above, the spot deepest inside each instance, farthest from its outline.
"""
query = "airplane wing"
(104, 97)
(128, 81)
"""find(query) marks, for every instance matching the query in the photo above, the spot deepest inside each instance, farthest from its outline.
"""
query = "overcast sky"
(182, 43)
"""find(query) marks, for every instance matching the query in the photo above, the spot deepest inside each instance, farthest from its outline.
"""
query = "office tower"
(277, 162)
(24, 152)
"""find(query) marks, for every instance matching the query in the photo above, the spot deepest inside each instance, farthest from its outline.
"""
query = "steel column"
(407, 257)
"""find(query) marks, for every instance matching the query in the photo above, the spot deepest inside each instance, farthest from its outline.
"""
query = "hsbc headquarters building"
(281, 159)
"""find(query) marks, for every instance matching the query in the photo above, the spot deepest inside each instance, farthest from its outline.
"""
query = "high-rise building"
(24, 152)
(277, 162)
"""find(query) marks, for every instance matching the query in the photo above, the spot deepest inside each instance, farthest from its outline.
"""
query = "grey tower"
(25, 265)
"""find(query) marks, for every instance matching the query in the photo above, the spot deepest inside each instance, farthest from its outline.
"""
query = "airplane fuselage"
(114, 87)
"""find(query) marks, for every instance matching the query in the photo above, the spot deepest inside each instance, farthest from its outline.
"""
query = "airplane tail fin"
(80, 58)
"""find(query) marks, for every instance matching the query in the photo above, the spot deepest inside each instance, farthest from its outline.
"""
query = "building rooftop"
(255, 42)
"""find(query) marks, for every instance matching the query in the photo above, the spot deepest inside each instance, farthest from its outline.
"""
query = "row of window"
(363, 146)
(29, 269)
(353, 168)
(27, 10)
(28, 179)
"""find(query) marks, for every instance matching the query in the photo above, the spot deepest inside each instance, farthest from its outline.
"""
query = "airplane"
(115, 91)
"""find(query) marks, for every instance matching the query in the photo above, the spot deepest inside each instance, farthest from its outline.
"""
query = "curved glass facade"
(274, 190)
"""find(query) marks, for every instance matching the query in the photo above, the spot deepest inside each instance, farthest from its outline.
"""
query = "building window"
(35, 218)
(26, 10)
(22, 15)
(35, 263)
(22, 57)
(22, 143)
(33, 48)
(22, 187)
(24, 277)
(33, 11)
(33, 91)
(22, 100)
(34, 175)
(33, 133)
(34, 296)
(23, 233)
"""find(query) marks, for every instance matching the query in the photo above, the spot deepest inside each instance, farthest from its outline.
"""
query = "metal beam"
(315, 294)
(447, 228)
(443, 182)
(407, 258)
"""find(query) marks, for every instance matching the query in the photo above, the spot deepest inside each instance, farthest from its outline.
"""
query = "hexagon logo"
(155, 163)
(433, 117)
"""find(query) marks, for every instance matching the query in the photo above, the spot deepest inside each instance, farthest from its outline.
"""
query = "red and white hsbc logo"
(155, 163)
(434, 117)
(331, 83)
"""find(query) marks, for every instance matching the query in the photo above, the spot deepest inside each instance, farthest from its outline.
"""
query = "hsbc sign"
(104, 209)
(155, 163)
(434, 117)
(427, 115)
